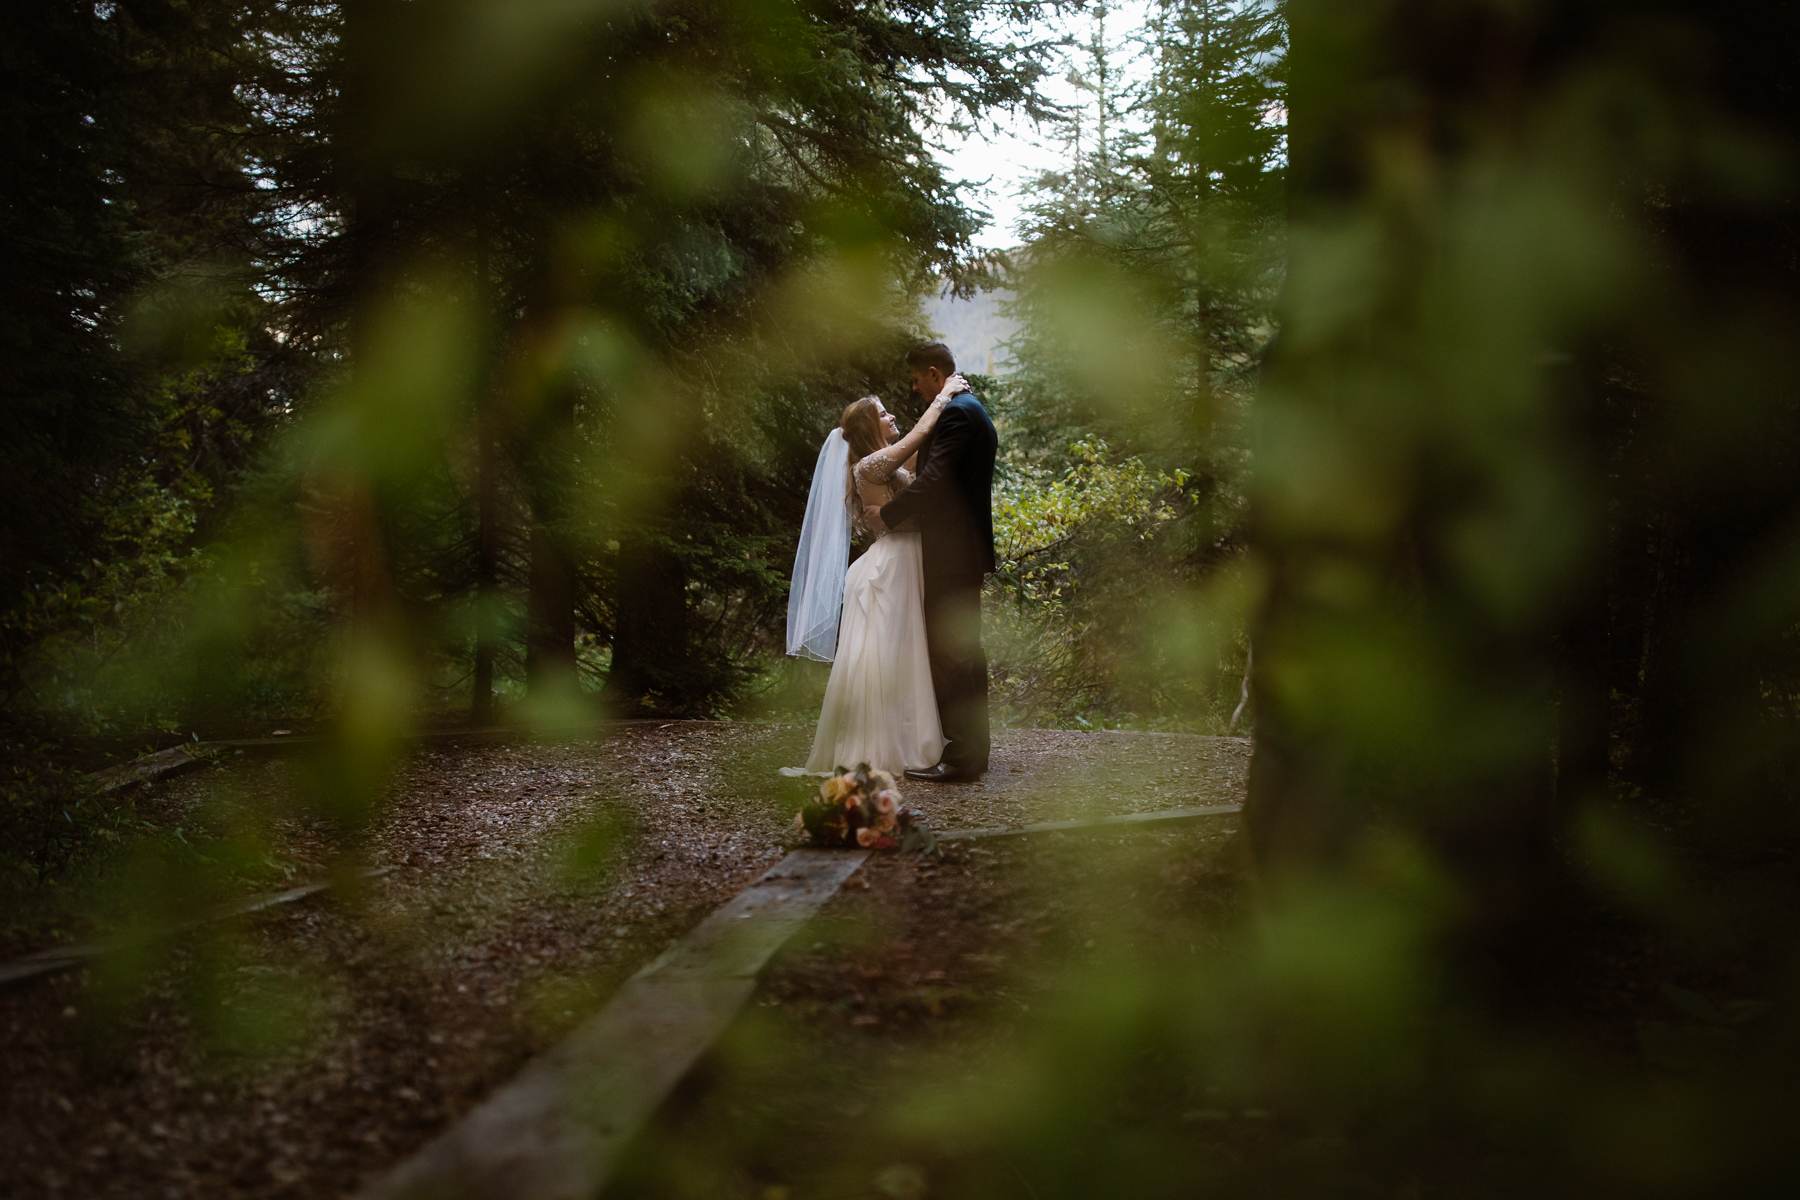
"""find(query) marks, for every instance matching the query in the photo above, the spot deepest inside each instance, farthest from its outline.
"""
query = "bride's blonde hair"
(861, 424)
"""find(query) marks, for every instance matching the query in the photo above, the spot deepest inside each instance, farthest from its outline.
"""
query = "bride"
(879, 706)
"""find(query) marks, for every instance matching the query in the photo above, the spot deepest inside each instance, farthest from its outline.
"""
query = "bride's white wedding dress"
(879, 706)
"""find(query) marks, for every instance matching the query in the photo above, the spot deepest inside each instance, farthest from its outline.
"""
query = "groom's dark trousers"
(959, 668)
(951, 503)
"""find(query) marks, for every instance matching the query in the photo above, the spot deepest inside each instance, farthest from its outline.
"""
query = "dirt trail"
(295, 1052)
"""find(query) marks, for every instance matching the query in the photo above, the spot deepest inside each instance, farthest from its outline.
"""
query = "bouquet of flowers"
(863, 808)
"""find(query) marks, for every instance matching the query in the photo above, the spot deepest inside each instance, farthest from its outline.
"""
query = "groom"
(951, 503)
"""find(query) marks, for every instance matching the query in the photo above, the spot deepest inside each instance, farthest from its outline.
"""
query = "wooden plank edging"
(58, 958)
(558, 1129)
(160, 764)
(148, 767)
(1077, 823)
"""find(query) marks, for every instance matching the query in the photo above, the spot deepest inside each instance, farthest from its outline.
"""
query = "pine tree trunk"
(369, 29)
(550, 610)
(650, 635)
(487, 503)
(1296, 814)
(1584, 655)
(550, 604)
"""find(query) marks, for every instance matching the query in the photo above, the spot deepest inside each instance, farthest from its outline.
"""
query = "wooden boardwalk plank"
(148, 767)
(161, 764)
(558, 1128)
(1141, 818)
(57, 958)
(738, 938)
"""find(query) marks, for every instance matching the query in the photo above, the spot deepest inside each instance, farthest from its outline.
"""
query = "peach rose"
(866, 837)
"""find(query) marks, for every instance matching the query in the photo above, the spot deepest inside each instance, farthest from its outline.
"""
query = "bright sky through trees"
(997, 161)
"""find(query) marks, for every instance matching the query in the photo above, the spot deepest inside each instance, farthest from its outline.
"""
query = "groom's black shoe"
(942, 773)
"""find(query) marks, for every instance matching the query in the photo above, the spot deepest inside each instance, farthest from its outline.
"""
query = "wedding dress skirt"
(879, 707)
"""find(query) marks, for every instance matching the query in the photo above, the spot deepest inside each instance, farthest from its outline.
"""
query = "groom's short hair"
(932, 354)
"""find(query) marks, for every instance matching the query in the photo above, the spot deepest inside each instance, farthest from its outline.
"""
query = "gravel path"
(295, 1052)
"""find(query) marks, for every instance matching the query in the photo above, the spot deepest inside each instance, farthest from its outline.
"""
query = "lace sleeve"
(878, 467)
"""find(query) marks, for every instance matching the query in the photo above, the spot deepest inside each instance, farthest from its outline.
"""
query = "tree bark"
(650, 634)
(487, 499)
(550, 604)
(1295, 812)
(369, 34)
(1584, 643)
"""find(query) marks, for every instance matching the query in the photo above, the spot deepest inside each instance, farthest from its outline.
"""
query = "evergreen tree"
(67, 263)
(144, 375)
(1146, 287)
(519, 287)
(1171, 215)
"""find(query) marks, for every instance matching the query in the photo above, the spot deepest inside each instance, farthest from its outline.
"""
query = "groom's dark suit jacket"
(951, 501)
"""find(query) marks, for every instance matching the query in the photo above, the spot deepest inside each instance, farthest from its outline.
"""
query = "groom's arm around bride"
(952, 496)
(951, 503)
